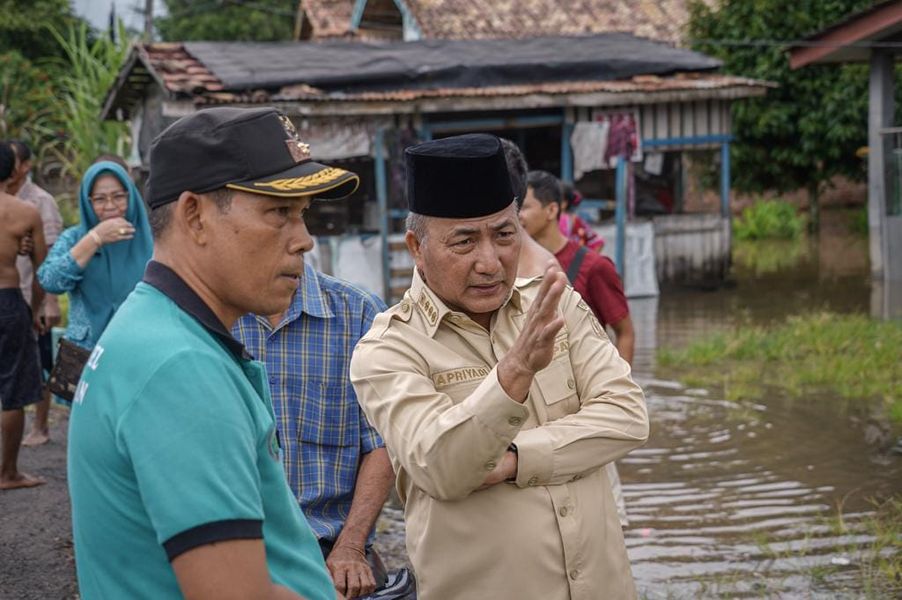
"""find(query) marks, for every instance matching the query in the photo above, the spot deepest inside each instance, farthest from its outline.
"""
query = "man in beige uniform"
(499, 404)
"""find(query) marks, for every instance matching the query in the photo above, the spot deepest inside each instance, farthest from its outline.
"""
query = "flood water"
(735, 499)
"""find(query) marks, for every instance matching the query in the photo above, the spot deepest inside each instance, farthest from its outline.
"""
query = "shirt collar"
(313, 300)
(434, 310)
(308, 299)
(168, 281)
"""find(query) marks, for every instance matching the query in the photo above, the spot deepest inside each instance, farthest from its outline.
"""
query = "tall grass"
(872, 543)
(769, 219)
(86, 73)
(852, 356)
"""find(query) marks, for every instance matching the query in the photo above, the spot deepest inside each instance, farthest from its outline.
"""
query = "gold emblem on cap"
(327, 175)
(299, 150)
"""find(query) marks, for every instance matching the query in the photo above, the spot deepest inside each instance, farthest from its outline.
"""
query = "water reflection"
(734, 499)
(886, 300)
(731, 498)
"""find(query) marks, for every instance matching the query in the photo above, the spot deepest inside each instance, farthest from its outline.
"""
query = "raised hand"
(112, 231)
(534, 347)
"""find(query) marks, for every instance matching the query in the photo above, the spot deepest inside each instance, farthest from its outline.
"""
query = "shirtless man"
(20, 370)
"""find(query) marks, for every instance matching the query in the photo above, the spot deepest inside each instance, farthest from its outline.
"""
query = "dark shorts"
(20, 364)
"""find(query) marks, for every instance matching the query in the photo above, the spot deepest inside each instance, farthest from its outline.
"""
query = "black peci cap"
(459, 177)
(250, 149)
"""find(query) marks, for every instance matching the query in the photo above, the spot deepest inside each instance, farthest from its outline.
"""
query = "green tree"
(29, 108)
(24, 23)
(805, 132)
(228, 20)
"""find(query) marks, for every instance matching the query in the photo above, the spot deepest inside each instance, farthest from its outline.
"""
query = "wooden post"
(382, 197)
(880, 115)
(148, 20)
(725, 213)
(299, 15)
(620, 214)
(566, 150)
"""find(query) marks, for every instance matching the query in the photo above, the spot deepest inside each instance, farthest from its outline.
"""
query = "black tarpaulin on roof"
(361, 66)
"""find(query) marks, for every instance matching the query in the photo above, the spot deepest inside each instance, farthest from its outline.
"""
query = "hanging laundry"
(589, 141)
(623, 138)
(654, 163)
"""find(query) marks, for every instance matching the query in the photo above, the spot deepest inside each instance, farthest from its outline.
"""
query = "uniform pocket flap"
(556, 381)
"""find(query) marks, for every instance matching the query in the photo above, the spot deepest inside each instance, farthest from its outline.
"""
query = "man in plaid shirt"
(336, 462)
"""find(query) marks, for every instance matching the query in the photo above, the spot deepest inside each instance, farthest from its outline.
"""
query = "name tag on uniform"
(561, 345)
(463, 375)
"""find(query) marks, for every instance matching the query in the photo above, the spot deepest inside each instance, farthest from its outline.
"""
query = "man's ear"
(190, 215)
(554, 211)
(413, 246)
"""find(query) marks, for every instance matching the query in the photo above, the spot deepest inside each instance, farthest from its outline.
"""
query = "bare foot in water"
(36, 438)
(21, 480)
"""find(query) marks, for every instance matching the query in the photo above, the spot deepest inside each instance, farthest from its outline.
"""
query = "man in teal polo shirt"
(174, 461)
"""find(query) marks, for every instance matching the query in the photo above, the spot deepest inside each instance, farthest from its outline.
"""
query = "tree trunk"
(814, 208)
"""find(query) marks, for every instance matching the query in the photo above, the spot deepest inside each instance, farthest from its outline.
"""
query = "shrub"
(859, 223)
(769, 219)
(29, 109)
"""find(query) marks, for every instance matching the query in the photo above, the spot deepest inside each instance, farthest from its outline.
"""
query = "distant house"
(660, 20)
(362, 102)
(872, 36)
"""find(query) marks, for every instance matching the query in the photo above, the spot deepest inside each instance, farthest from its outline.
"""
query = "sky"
(97, 12)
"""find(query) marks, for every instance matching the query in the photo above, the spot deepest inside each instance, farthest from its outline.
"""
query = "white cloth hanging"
(589, 141)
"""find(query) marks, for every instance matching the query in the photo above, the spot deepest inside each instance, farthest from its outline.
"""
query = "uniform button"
(405, 307)
(272, 379)
(490, 465)
(514, 421)
(533, 480)
(563, 511)
(570, 383)
(574, 573)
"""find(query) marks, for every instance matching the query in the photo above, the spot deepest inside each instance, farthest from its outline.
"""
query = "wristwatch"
(513, 448)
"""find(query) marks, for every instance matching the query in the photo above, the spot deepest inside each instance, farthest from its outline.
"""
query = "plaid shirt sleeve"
(369, 437)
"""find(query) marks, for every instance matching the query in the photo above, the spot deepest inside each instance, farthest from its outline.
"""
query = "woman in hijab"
(99, 262)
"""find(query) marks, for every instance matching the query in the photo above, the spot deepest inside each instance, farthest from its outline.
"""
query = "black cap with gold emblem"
(250, 149)
(458, 177)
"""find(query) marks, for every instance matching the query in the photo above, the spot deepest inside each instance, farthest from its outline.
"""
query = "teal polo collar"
(174, 287)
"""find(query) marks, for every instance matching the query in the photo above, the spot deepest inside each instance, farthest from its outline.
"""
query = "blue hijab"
(115, 270)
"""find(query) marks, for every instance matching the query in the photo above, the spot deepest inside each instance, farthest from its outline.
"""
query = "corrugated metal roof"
(357, 66)
(648, 84)
(184, 77)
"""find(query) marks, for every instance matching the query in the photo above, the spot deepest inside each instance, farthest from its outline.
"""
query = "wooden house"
(872, 36)
(361, 102)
